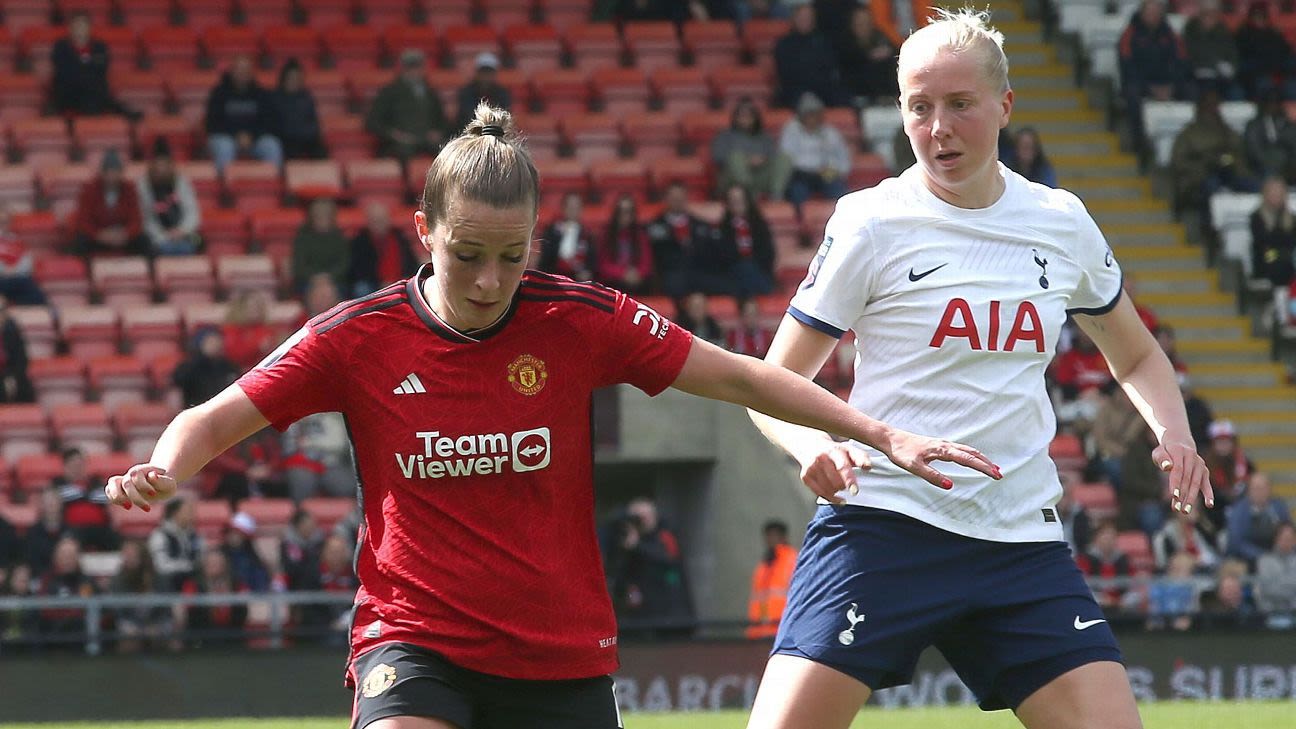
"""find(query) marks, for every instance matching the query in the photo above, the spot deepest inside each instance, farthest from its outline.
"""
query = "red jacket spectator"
(1081, 369)
(108, 213)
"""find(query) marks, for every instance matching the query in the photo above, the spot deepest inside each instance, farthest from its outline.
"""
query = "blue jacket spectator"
(805, 62)
(1253, 522)
(297, 120)
(1028, 158)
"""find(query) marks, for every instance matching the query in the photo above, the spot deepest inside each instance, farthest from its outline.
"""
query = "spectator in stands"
(750, 336)
(108, 213)
(349, 527)
(206, 371)
(11, 551)
(1082, 376)
(744, 232)
(684, 250)
(1188, 534)
(15, 385)
(251, 468)
(245, 562)
(899, 18)
(241, 118)
(483, 86)
(1115, 427)
(1169, 341)
(18, 625)
(745, 10)
(1176, 597)
(819, 155)
(770, 581)
(335, 575)
(1029, 160)
(380, 253)
(80, 85)
(1106, 561)
(1153, 63)
(567, 247)
(175, 546)
(1146, 315)
(1253, 521)
(297, 120)
(406, 116)
(1276, 576)
(299, 552)
(85, 505)
(695, 315)
(1265, 60)
(169, 208)
(214, 624)
(625, 258)
(1230, 469)
(317, 457)
(320, 246)
(867, 58)
(64, 579)
(745, 154)
(902, 151)
(1270, 139)
(1208, 156)
(1141, 498)
(40, 538)
(1077, 527)
(1273, 234)
(1199, 413)
(648, 583)
(1231, 602)
(1212, 51)
(805, 63)
(321, 295)
(247, 331)
(16, 266)
(139, 626)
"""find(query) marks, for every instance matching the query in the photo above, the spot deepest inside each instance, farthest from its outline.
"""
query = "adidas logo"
(409, 385)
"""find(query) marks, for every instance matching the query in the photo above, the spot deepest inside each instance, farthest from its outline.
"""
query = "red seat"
(38, 230)
(464, 42)
(123, 45)
(171, 48)
(37, 471)
(18, 187)
(352, 46)
(82, 425)
(621, 90)
(267, 14)
(22, 14)
(211, 517)
(122, 282)
(120, 379)
(653, 134)
(614, 177)
(307, 179)
(221, 43)
(273, 230)
(203, 315)
(347, 139)
(502, 14)
(783, 222)
(682, 90)
(592, 136)
(563, 14)
(734, 82)
(37, 43)
(39, 331)
(21, 95)
(1067, 451)
(184, 278)
(700, 127)
(866, 170)
(177, 131)
(1099, 499)
(189, 90)
(760, 35)
(562, 91)
(593, 45)
(652, 44)
(139, 427)
(663, 171)
(8, 49)
(235, 273)
(161, 369)
(64, 279)
(254, 185)
(292, 41)
(328, 510)
(150, 331)
(143, 91)
(145, 13)
(1136, 545)
(58, 380)
(562, 176)
(43, 140)
(387, 13)
(225, 231)
(380, 178)
(814, 217)
(329, 87)
(712, 43)
(328, 13)
(62, 184)
(272, 515)
(24, 429)
(444, 13)
(90, 331)
(542, 133)
(533, 47)
(203, 14)
(398, 38)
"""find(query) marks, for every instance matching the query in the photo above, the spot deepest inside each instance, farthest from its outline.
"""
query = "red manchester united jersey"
(475, 463)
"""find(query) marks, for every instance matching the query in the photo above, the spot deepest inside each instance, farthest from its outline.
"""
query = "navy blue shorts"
(873, 588)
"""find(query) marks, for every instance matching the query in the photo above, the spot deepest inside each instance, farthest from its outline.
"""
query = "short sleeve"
(1099, 287)
(298, 379)
(641, 347)
(839, 281)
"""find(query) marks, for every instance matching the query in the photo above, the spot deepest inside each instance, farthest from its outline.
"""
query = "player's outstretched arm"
(193, 438)
(1145, 373)
(713, 373)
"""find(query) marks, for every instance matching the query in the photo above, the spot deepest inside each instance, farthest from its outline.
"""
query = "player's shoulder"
(345, 317)
(1050, 199)
(566, 294)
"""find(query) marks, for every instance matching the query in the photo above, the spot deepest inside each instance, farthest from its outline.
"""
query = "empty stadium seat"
(682, 90)
(119, 380)
(379, 178)
(397, 38)
(58, 380)
(211, 517)
(533, 47)
(64, 279)
(614, 177)
(267, 14)
(36, 471)
(237, 273)
(189, 90)
(170, 48)
(21, 95)
(143, 91)
(329, 13)
(464, 42)
(1136, 545)
(291, 41)
(225, 232)
(1098, 499)
(82, 425)
(42, 140)
(328, 511)
(221, 43)
(504, 14)
(1067, 452)
(712, 44)
(139, 426)
(590, 137)
(542, 133)
(182, 279)
(150, 331)
(759, 36)
(652, 134)
(254, 185)
(352, 46)
(652, 44)
(135, 523)
(273, 230)
(662, 171)
(123, 45)
(122, 282)
(564, 91)
(444, 13)
(18, 187)
(621, 91)
(735, 82)
(39, 331)
(37, 42)
(39, 230)
(89, 331)
(308, 179)
(272, 515)
(62, 183)
(24, 429)
(592, 45)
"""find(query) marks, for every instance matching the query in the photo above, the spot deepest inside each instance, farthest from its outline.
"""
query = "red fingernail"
(146, 507)
(947, 484)
(998, 473)
(127, 506)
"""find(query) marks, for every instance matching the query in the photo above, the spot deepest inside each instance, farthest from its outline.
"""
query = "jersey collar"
(419, 302)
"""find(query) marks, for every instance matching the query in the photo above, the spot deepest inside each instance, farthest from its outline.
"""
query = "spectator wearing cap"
(406, 116)
(169, 208)
(1228, 465)
(804, 62)
(1253, 521)
(108, 217)
(80, 84)
(16, 266)
(819, 155)
(483, 86)
(241, 118)
(296, 115)
(244, 561)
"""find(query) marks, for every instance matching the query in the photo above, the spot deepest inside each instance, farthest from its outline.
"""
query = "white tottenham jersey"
(957, 314)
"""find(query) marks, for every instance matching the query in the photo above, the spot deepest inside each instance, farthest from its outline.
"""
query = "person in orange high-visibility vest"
(770, 582)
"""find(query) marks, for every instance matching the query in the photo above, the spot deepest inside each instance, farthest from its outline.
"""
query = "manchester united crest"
(380, 678)
(527, 374)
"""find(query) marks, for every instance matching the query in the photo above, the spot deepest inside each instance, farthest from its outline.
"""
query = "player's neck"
(441, 310)
(978, 192)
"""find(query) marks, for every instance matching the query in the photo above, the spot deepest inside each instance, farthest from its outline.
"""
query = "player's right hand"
(832, 471)
(142, 485)
(914, 453)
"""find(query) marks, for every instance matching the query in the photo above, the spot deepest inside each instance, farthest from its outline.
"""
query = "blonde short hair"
(964, 30)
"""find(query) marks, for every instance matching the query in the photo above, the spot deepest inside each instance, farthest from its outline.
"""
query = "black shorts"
(400, 679)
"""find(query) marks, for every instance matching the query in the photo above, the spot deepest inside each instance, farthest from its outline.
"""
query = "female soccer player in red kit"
(467, 395)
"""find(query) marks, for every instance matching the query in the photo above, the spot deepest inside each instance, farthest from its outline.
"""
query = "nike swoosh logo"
(920, 276)
(1083, 624)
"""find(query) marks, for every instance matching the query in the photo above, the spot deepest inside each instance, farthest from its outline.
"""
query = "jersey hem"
(1099, 311)
(1042, 533)
(816, 324)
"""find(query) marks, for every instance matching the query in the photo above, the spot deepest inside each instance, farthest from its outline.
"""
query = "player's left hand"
(1188, 474)
(914, 453)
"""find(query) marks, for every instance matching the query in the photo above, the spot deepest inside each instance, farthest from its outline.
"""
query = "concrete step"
(1050, 122)
(1124, 235)
(1137, 210)
(1263, 374)
(1285, 490)
(1279, 469)
(1173, 281)
(1146, 260)
(1271, 446)
(1250, 424)
(1278, 399)
(1029, 54)
(1008, 19)
(1163, 303)
(1202, 327)
(1045, 99)
(1223, 351)
(1113, 165)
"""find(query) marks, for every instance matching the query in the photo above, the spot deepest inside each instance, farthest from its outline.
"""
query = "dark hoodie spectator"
(241, 118)
(1208, 156)
(1273, 236)
(294, 109)
(244, 561)
(65, 579)
(1153, 62)
(685, 252)
(215, 624)
(805, 62)
(168, 206)
(1265, 57)
(406, 116)
(174, 545)
(206, 371)
(1212, 50)
(15, 385)
(867, 59)
(483, 86)
(625, 258)
(108, 213)
(380, 253)
(40, 538)
(1270, 138)
(744, 232)
(139, 626)
(85, 505)
(80, 84)
(695, 316)
(567, 247)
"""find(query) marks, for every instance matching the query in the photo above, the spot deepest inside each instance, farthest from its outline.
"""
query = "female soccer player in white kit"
(957, 277)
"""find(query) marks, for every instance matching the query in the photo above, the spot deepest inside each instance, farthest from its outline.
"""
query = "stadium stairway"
(1227, 366)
